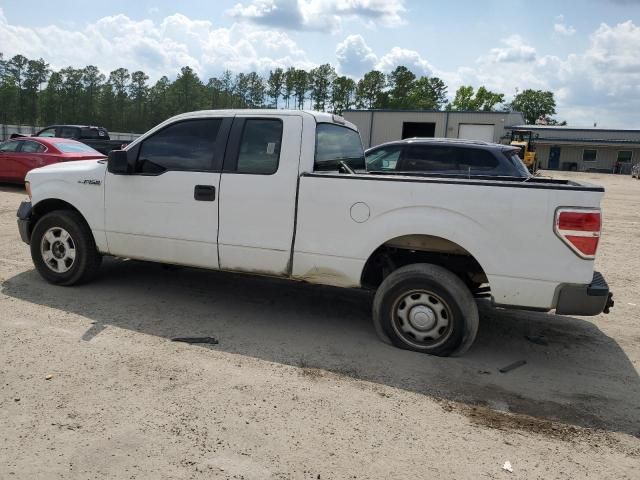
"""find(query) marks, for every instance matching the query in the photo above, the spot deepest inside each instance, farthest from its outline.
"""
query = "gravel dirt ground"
(299, 387)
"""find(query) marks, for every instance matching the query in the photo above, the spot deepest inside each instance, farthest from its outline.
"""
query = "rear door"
(167, 211)
(258, 193)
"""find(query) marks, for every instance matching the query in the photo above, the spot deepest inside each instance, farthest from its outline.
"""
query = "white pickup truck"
(276, 193)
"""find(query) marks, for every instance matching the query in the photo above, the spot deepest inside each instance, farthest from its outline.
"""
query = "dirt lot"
(299, 387)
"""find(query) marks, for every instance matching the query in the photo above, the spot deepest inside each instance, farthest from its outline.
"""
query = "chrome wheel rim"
(58, 250)
(422, 319)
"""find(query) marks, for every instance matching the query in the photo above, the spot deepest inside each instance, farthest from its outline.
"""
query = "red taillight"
(579, 229)
(580, 221)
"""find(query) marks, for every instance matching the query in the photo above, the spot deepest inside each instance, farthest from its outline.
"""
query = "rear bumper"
(585, 300)
(24, 221)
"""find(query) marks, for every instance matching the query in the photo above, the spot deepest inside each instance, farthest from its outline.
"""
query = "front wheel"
(63, 249)
(426, 308)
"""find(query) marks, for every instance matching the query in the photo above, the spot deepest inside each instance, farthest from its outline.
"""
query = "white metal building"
(585, 149)
(380, 126)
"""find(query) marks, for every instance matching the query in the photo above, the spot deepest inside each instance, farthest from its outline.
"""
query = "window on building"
(589, 155)
(624, 156)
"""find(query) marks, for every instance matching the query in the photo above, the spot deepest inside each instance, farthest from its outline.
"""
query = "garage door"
(470, 131)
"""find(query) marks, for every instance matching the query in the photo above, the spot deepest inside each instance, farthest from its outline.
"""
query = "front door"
(554, 158)
(167, 210)
(258, 194)
(9, 160)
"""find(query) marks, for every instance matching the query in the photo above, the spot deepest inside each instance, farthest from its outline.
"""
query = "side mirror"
(118, 163)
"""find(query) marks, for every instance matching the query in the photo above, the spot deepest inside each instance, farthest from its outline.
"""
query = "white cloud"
(323, 15)
(561, 27)
(355, 58)
(158, 48)
(514, 51)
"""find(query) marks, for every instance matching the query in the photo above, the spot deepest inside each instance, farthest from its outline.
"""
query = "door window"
(9, 146)
(625, 156)
(260, 146)
(48, 132)
(477, 161)
(29, 146)
(427, 158)
(182, 146)
(382, 159)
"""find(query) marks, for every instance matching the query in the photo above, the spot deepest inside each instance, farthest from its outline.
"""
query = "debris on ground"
(48, 377)
(507, 466)
(513, 366)
(209, 340)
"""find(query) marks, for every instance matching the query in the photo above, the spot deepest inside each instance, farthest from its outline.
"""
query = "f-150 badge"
(90, 181)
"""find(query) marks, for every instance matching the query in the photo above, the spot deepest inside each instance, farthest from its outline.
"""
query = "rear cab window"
(48, 132)
(337, 143)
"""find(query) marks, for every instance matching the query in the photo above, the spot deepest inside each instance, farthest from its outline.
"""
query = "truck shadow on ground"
(581, 377)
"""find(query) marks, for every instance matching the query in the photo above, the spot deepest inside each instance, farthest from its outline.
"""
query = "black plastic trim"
(24, 221)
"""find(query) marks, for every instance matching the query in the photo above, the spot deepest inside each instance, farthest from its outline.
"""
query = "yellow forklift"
(525, 140)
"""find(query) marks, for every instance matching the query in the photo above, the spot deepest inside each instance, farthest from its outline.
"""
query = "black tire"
(87, 259)
(430, 288)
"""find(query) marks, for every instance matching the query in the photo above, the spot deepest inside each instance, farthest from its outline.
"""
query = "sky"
(586, 51)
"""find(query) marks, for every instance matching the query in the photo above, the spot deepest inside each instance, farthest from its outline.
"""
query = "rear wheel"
(63, 249)
(426, 308)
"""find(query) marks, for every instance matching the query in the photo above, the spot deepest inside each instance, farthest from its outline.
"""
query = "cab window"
(260, 146)
(48, 132)
(335, 143)
(69, 132)
(184, 146)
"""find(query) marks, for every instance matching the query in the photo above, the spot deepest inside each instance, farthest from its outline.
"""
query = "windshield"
(517, 162)
(335, 143)
(75, 147)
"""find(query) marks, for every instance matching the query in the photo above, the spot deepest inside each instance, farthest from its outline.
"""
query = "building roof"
(588, 135)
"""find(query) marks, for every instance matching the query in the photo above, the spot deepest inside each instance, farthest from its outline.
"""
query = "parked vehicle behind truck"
(261, 192)
(96, 137)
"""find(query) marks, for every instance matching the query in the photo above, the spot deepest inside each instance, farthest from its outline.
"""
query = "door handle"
(204, 193)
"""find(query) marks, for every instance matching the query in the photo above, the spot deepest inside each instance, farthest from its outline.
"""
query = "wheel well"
(49, 205)
(409, 249)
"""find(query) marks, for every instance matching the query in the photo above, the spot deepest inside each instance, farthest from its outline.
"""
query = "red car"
(19, 155)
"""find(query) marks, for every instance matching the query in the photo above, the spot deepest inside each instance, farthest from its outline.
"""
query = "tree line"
(32, 93)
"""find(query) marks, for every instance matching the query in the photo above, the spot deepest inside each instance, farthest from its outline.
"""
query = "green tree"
(188, 92)
(159, 105)
(36, 74)
(534, 104)
(72, 91)
(300, 87)
(289, 85)
(256, 89)
(275, 84)
(342, 94)
(52, 102)
(139, 91)
(429, 93)
(92, 79)
(370, 90)
(401, 82)
(15, 69)
(320, 80)
(119, 79)
(483, 100)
